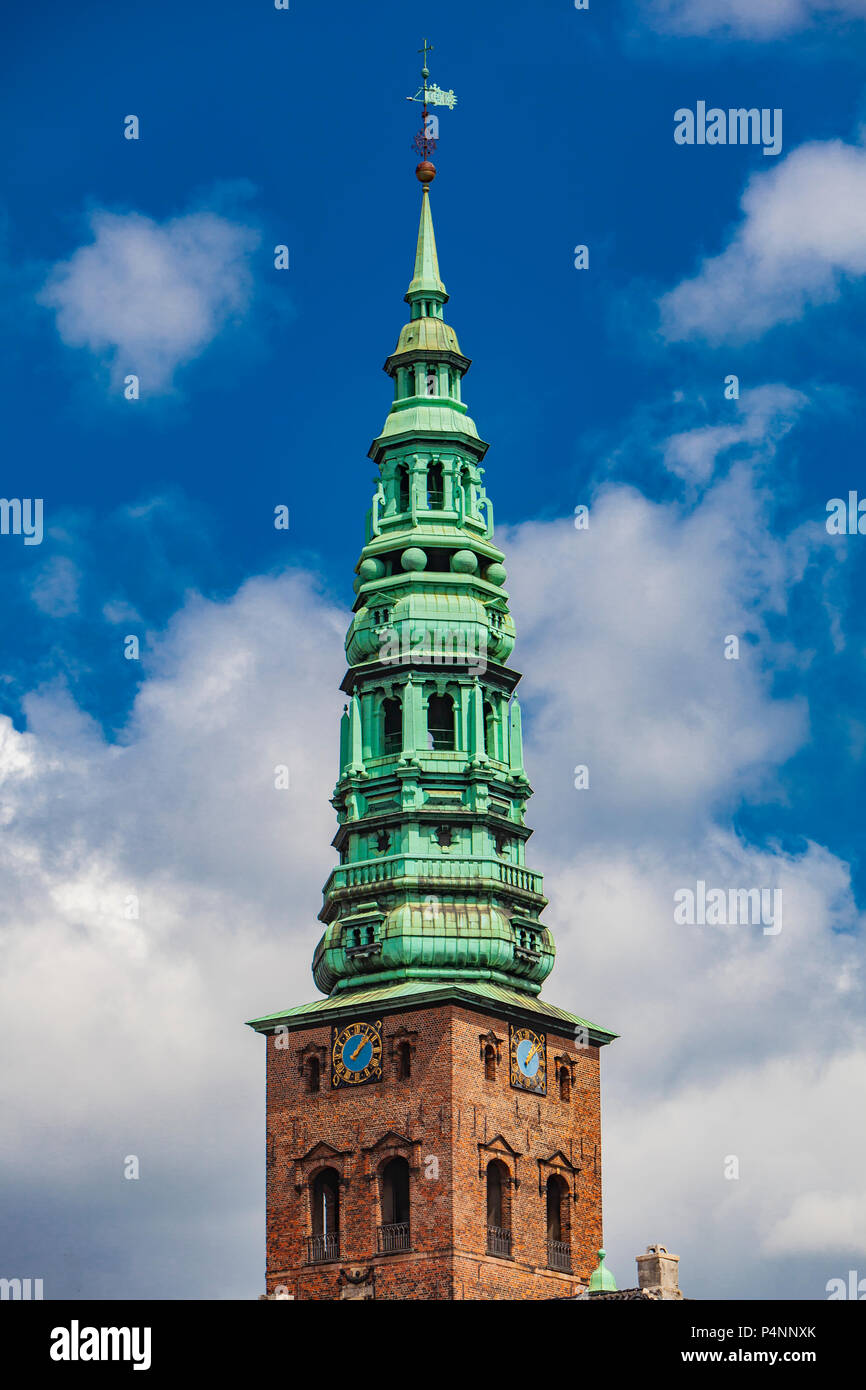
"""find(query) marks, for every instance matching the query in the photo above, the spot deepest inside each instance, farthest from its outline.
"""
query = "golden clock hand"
(361, 1045)
(530, 1054)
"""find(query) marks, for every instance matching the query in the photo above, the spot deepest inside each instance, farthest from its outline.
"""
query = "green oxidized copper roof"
(422, 992)
(420, 418)
(602, 1280)
(427, 335)
(438, 939)
(426, 277)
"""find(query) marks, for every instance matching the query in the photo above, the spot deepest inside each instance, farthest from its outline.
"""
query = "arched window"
(435, 487)
(394, 1231)
(409, 382)
(430, 379)
(558, 1242)
(325, 1213)
(490, 1062)
(313, 1074)
(392, 726)
(466, 487)
(489, 730)
(498, 1210)
(404, 1061)
(440, 722)
(403, 487)
(564, 1084)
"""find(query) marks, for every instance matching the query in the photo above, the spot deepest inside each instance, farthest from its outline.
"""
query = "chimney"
(658, 1272)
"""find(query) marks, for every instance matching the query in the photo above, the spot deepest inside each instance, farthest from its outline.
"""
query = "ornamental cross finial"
(427, 138)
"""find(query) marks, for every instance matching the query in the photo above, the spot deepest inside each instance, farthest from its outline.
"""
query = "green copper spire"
(432, 898)
(425, 280)
(432, 883)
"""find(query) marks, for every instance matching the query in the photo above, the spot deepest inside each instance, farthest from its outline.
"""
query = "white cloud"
(55, 589)
(761, 417)
(148, 297)
(803, 232)
(749, 19)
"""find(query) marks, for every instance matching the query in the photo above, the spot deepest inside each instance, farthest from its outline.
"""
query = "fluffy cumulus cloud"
(738, 1043)
(750, 19)
(159, 889)
(762, 416)
(803, 233)
(147, 297)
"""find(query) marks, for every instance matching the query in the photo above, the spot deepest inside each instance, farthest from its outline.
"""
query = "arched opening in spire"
(403, 487)
(392, 726)
(440, 722)
(489, 730)
(435, 486)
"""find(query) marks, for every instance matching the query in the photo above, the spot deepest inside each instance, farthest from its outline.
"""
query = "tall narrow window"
(435, 488)
(394, 1231)
(430, 379)
(313, 1074)
(564, 1084)
(392, 726)
(498, 1213)
(554, 1210)
(325, 1213)
(440, 722)
(558, 1244)
(490, 1062)
(403, 488)
(404, 1061)
(489, 730)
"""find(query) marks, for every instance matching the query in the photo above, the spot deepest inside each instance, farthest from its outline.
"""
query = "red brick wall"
(449, 1122)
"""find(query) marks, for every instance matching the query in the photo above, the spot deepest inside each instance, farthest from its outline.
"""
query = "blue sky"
(604, 386)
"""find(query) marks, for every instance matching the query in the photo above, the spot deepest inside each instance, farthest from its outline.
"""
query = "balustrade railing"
(559, 1255)
(393, 1237)
(324, 1247)
(498, 1241)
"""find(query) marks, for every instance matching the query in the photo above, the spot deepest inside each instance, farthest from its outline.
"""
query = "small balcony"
(559, 1255)
(499, 1242)
(320, 1249)
(394, 1238)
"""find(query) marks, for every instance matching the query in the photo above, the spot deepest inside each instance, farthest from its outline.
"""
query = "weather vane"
(427, 138)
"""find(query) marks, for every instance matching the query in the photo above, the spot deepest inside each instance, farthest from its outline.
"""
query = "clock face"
(528, 1056)
(356, 1054)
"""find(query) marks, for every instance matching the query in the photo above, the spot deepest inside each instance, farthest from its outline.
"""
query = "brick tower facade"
(433, 1125)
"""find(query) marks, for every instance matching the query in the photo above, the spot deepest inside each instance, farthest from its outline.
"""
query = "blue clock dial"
(528, 1068)
(527, 1057)
(357, 1052)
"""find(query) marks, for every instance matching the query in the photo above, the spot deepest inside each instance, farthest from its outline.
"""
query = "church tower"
(433, 1124)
